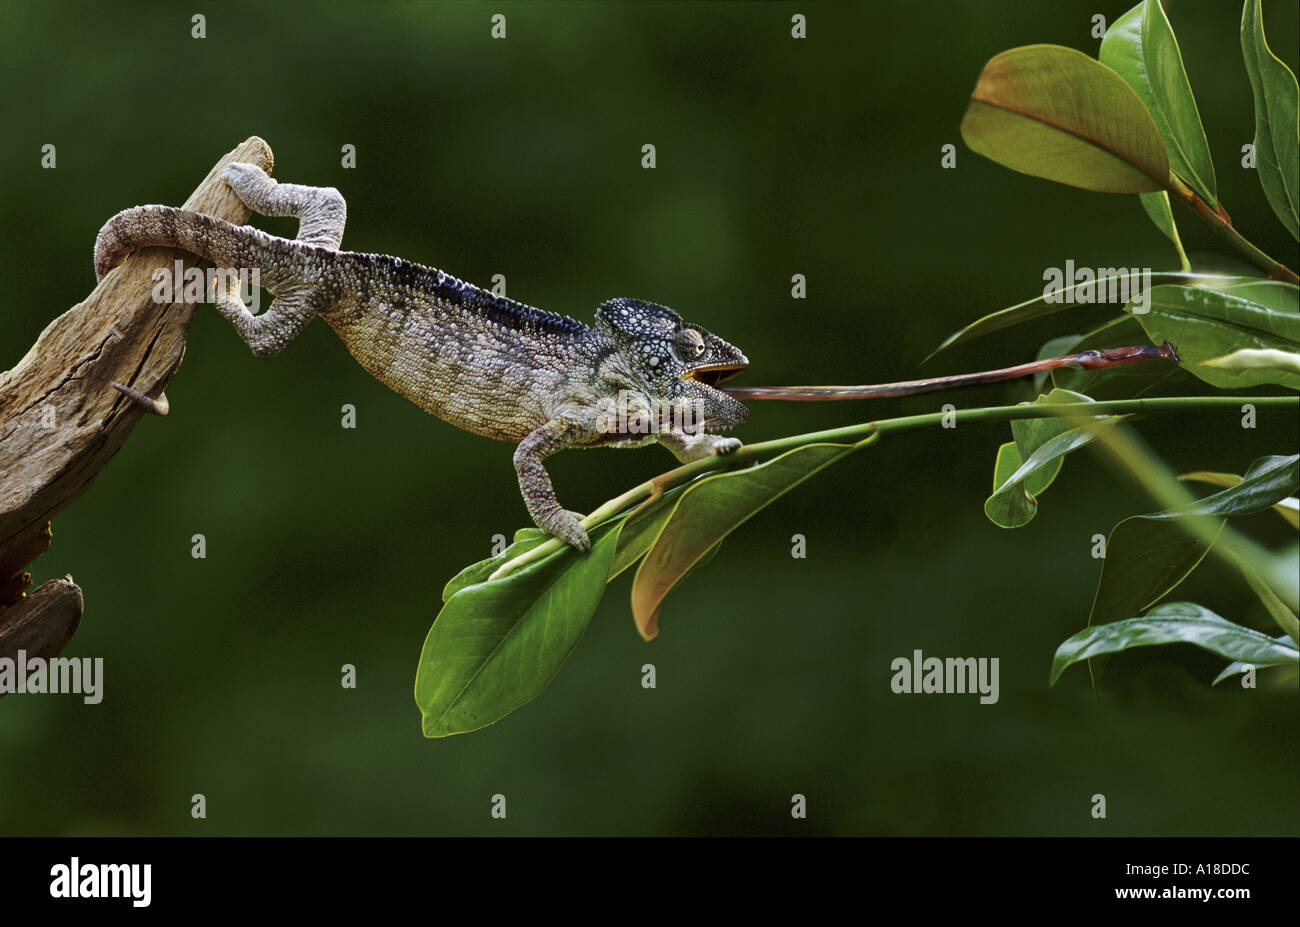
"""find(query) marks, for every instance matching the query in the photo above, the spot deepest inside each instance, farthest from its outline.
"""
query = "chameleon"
(491, 365)
(484, 363)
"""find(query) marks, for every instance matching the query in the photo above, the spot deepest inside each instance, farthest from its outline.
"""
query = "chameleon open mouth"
(712, 376)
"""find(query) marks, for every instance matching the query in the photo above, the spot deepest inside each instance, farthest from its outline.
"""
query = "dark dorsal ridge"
(508, 313)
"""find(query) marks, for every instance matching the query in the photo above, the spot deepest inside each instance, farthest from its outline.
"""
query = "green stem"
(1219, 220)
(766, 450)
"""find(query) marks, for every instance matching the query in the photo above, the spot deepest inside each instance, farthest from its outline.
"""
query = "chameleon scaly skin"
(487, 364)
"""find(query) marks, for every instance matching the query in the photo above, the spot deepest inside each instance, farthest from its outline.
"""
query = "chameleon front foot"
(691, 447)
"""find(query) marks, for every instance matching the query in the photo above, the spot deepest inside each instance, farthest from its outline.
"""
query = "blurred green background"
(522, 157)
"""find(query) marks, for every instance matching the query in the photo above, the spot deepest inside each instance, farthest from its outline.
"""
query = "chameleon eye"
(688, 343)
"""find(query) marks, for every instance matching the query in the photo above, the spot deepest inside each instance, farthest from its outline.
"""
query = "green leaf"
(710, 509)
(641, 530)
(1157, 207)
(1125, 382)
(1277, 142)
(1239, 666)
(1148, 556)
(1205, 323)
(1175, 623)
(1039, 450)
(1281, 571)
(525, 539)
(1075, 296)
(1267, 481)
(1055, 113)
(1279, 362)
(1278, 610)
(1008, 462)
(496, 645)
(1288, 508)
(1224, 480)
(1141, 48)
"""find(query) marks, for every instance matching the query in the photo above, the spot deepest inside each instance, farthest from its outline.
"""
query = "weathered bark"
(43, 621)
(61, 419)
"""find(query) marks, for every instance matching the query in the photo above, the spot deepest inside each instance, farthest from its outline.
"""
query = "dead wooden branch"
(61, 418)
(43, 621)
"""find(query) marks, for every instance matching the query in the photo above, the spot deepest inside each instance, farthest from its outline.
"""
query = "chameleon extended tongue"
(1088, 360)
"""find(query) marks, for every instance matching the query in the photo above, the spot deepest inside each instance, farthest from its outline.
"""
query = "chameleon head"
(677, 362)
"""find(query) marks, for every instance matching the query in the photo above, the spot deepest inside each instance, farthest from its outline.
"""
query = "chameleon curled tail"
(322, 214)
(215, 240)
(291, 269)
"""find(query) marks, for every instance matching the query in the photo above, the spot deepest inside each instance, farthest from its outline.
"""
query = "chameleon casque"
(487, 364)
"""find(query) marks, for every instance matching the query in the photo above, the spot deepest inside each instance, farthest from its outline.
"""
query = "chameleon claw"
(567, 526)
(159, 406)
(577, 539)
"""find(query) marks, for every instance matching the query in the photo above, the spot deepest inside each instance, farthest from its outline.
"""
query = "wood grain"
(60, 418)
(43, 622)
